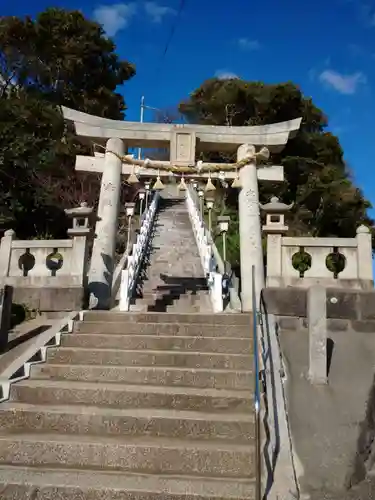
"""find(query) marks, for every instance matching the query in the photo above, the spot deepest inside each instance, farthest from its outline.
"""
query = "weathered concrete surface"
(317, 322)
(325, 419)
(353, 305)
(50, 299)
(21, 338)
(364, 491)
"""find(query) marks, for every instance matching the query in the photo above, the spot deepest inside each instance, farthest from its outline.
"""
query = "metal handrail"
(258, 465)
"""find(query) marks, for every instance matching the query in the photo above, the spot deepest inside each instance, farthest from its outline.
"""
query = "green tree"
(60, 58)
(317, 180)
(65, 58)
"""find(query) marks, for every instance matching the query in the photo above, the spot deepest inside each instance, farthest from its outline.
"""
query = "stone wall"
(346, 309)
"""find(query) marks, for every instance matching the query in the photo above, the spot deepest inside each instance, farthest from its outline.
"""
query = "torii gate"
(183, 141)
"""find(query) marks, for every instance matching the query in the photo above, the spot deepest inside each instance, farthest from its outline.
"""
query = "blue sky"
(326, 47)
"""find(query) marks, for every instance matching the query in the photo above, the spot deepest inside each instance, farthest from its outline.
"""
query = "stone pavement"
(325, 420)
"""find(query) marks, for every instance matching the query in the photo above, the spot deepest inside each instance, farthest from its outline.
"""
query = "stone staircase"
(172, 279)
(135, 407)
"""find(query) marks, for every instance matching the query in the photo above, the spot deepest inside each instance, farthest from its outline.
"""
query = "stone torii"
(183, 141)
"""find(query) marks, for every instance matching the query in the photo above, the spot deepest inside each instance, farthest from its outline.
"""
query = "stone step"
(206, 319)
(139, 307)
(151, 284)
(175, 293)
(117, 395)
(120, 357)
(21, 483)
(223, 345)
(166, 300)
(156, 375)
(163, 329)
(180, 308)
(170, 298)
(132, 454)
(103, 421)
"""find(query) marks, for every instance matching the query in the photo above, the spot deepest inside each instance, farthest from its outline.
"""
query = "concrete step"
(139, 307)
(21, 483)
(164, 329)
(139, 455)
(59, 392)
(103, 421)
(225, 345)
(182, 377)
(170, 306)
(206, 319)
(120, 357)
(169, 299)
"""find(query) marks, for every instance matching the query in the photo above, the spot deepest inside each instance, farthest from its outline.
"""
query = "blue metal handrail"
(258, 492)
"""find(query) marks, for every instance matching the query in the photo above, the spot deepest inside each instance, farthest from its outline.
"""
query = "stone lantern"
(275, 229)
(81, 230)
(275, 214)
(81, 216)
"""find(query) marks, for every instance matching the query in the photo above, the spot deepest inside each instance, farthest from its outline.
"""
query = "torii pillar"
(103, 251)
(251, 251)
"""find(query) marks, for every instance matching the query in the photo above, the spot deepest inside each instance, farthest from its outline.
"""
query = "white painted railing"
(129, 275)
(204, 243)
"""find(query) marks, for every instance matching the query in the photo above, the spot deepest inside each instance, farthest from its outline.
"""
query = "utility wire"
(172, 32)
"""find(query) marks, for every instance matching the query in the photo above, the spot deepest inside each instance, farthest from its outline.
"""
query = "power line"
(172, 32)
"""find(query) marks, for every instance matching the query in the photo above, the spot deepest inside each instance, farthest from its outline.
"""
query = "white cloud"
(223, 74)
(114, 17)
(247, 44)
(345, 84)
(157, 12)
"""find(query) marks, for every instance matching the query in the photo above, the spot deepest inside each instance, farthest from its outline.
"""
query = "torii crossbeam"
(184, 141)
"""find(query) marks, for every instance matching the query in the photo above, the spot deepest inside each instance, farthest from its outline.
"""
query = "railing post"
(217, 292)
(6, 297)
(364, 253)
(258, 460)
(124, 291)
(80, 233)
(6, 252)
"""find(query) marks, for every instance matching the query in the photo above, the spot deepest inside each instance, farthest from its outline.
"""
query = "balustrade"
(304, 261)
(129, 275)
(205, 246)
(44, 263)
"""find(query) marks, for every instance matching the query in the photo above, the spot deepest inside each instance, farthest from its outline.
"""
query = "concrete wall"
(332, 426)
(353, 309)
(50, 299)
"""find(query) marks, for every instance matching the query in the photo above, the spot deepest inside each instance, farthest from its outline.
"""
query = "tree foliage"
(317, 180)
(67, 59)
(60, 58)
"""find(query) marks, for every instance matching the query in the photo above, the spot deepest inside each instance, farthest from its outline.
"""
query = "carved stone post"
(102, 260)
(80, 232)
(275, 228)
(6, 252)
(364, 253)
(251, 252)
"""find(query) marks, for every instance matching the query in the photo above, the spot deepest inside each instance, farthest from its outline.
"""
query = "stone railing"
(205, 248)
(39, 265)
(134, 259)
(304, 261)
(47, 262)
